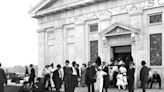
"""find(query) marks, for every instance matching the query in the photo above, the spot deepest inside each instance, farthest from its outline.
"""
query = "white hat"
(100, 68)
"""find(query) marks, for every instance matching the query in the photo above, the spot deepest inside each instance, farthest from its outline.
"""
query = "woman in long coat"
(83, 72)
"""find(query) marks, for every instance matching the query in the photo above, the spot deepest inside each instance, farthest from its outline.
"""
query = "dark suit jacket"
(106, 77)
(67, 74)
(32, 75)
(131, 75)
(56, 79)
(156, 77)
(2, 76)
(144, 74)
(78, 72)
(90, 75)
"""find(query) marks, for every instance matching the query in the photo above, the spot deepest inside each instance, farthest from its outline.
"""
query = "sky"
(18, 33)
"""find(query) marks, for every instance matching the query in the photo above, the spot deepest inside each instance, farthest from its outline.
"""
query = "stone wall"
(130, 12)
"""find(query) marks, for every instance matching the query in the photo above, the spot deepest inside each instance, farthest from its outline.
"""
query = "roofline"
(34, 11)
(38, 6)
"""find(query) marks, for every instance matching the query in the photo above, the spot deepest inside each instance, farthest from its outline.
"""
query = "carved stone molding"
(136, 12)
(40, 30)
(59, 27)
(79, 23)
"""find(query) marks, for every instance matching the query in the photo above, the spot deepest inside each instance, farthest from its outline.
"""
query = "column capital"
(40, 30)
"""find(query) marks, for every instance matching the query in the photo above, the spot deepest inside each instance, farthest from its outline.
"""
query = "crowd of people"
(96, 76)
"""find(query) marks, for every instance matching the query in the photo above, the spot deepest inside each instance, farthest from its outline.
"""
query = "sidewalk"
(84, 89)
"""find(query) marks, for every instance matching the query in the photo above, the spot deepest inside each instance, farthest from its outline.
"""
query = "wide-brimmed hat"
(143, 62)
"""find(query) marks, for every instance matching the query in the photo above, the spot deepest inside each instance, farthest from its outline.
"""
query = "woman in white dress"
(120, 80)
(99, 79)
(123, 71)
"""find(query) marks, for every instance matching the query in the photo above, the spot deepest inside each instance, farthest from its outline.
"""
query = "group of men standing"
(91, 76)
(70, 77)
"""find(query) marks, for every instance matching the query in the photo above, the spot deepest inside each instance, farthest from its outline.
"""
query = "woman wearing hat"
(100, 79)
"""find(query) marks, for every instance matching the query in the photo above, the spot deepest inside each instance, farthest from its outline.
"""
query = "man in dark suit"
(130, 73)
(3, 79)
(67, 77)
(90, 76)
(144, 75)
(57, 78)
(32, 75)
(106, 77)
(74, 76)
(156, 78)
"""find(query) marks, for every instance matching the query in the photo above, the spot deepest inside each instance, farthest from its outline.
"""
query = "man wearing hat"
(90, 76)
(67, 76)
(57, 78)
(144, 75)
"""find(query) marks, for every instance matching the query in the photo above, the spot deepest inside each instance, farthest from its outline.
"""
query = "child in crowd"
(125, 80)
(120, 80)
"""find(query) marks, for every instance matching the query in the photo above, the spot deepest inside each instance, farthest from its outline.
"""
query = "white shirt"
(60, 73)
(74, 71)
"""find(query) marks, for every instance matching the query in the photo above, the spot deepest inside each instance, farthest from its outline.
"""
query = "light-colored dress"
(51, 81)
(99, 80)
(123, 70)
(119, 80)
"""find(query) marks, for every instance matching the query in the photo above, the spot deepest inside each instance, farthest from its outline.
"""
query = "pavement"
(84, 89)
(12, 87)
(80, 89)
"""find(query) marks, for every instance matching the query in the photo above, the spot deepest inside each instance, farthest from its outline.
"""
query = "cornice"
(36, 13)
(40, 30)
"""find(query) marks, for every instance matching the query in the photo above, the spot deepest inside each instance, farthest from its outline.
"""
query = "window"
(50, 36)
(70, 32)
(156, 49)
(155, 18)
(93, 27)
(93, 50)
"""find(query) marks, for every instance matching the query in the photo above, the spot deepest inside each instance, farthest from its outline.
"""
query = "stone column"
(137, 51)
(41, 51)
(59, 59)
(104, 22)
(80, 43)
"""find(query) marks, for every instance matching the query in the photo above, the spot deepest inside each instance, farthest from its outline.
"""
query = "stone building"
(78, 30)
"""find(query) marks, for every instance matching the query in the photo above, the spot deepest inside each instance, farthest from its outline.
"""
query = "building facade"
(78, 30)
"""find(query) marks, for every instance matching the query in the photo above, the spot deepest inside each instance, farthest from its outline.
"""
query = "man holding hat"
(144, 75)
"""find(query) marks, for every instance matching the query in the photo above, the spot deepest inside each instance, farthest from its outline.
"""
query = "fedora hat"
(143, 62)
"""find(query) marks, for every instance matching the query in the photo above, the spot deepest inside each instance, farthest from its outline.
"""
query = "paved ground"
(15, 89)
(116, 90)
